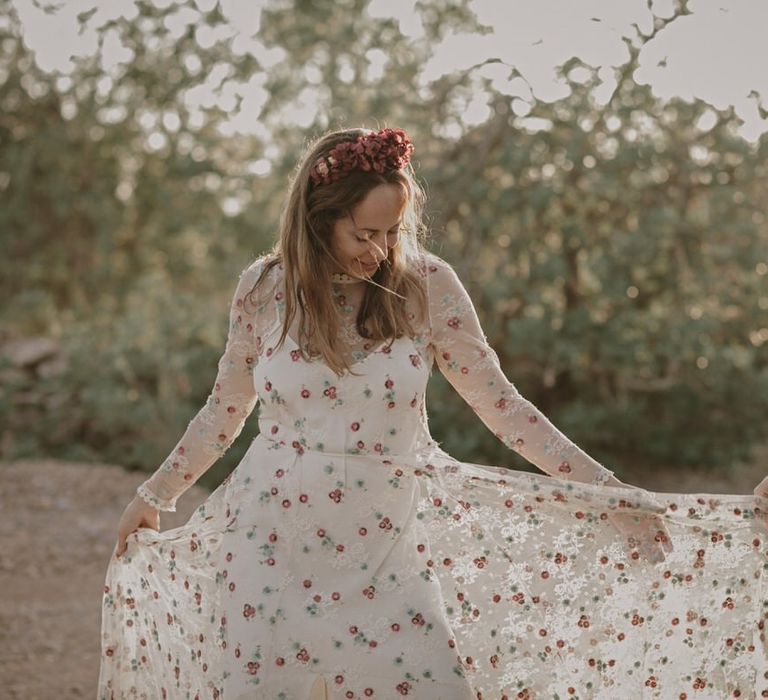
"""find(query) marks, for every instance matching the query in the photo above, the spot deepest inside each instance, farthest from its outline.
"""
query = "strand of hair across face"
(367, 279)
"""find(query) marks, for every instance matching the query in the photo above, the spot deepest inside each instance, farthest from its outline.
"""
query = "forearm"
(472, 367)
(219, 422)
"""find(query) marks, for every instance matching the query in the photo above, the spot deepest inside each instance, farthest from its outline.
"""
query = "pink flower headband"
(380, 151)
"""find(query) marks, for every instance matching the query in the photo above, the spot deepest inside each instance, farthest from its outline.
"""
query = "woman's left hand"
(646, 531)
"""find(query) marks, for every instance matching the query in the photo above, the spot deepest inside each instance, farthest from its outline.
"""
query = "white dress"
(346, 544)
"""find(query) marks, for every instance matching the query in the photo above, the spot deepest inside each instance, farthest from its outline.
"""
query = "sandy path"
(58, 529)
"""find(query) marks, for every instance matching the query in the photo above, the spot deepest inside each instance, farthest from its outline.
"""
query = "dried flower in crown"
(380, 151)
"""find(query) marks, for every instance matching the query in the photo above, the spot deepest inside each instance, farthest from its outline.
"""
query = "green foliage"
(617, 259)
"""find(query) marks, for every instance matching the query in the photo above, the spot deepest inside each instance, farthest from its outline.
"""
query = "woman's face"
(361, 242)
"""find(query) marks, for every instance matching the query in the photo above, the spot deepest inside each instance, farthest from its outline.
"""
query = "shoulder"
(436, 271)
(253, 284)
(429, 263)
(251, 274)
(256, 266)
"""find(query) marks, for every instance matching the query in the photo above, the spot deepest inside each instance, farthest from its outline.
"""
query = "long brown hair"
(303, 248)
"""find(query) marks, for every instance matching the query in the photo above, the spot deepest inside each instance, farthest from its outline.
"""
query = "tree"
(615, 258)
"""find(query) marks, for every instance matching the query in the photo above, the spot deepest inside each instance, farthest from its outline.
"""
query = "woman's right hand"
(137, 513)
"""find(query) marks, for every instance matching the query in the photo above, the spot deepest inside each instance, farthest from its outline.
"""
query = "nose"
(379, 253)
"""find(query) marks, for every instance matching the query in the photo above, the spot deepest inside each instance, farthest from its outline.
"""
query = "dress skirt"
(421, 576)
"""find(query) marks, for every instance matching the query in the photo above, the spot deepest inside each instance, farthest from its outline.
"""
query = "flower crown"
(380, 151)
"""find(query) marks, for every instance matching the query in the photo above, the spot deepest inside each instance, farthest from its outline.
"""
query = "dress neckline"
(344, 278)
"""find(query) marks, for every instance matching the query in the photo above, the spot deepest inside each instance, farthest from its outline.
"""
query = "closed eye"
(368, 240)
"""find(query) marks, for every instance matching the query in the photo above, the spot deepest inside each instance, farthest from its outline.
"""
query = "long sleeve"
(472, 367)
(215, 427)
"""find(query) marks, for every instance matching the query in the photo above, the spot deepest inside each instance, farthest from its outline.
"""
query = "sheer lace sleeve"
(215, 427)
(472, 367)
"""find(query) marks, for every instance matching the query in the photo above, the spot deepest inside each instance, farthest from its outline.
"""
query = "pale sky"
(718, 54)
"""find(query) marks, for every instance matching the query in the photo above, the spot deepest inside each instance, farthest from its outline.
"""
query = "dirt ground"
(58, 529)
(58, 523)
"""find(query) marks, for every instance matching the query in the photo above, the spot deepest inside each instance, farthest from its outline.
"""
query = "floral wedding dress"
(348, 545)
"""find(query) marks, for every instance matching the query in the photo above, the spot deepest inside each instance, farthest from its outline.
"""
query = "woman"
(348, 556)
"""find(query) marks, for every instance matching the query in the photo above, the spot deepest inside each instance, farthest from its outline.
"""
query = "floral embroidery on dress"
(347, 544)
